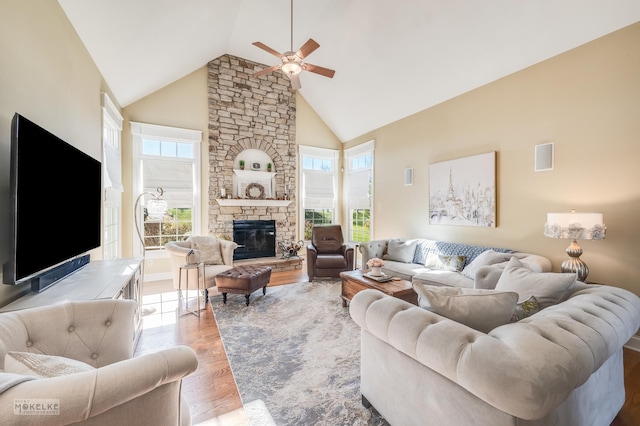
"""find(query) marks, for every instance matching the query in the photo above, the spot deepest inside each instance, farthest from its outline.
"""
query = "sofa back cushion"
(486, 258)
(327, 239)
(401, 250)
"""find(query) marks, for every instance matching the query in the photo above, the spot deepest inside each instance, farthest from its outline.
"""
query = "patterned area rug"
(298, 350)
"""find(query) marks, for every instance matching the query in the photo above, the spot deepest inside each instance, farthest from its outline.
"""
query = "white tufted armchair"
(178, 251)
(119, 390)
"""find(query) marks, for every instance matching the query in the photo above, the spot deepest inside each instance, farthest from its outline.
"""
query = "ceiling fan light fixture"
(291, 62)
(291, 68)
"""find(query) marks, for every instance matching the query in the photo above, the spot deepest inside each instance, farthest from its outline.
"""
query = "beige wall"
(587, 101)
(181, 104)
(184, 104)
(312, 131)
(46, 75)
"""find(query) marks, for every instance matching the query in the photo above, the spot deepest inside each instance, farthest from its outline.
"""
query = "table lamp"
(575, 226)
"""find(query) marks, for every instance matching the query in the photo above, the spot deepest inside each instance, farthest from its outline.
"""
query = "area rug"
(298, 350)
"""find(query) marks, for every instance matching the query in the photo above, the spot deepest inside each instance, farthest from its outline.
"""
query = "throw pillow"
(401, 250)
(444, 262)
(39, 365)
(525, 309)
(487, 257)
(482, 310)
(209, 249)
(548, 288)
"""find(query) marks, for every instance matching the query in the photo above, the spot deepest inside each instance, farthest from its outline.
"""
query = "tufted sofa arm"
(96, 332)
(540, 360)
(371, 249)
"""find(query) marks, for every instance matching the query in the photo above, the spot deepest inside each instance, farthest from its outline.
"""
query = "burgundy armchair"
(327, 255)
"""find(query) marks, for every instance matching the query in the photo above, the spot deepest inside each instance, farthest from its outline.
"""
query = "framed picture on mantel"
(463, 191)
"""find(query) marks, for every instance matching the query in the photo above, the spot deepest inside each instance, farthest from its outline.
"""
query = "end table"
(199, 267)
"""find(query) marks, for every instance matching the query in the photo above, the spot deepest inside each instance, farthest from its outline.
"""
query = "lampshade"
(156, 208)
(291, 68)
(575, 226)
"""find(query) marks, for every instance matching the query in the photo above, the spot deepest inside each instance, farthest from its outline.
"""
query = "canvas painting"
(463, 191)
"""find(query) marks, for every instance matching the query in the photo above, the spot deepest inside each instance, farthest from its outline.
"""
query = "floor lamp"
(156, 208)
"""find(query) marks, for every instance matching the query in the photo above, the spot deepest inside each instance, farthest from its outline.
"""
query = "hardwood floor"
(211, 391)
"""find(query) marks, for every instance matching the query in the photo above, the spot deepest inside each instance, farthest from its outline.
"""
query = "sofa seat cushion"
(547, 287)
(43, 366)
(482, 310)
(443, 278)
(406, 271)
(210, 272)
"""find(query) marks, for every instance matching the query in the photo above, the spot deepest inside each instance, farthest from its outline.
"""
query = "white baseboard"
(633, 343)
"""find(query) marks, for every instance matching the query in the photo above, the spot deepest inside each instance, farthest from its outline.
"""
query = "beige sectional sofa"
(418, 260)
(561, 366)
(497, 339)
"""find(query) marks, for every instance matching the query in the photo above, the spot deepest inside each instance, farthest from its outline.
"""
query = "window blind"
(358, 190)
(318, 191)
(174, 177)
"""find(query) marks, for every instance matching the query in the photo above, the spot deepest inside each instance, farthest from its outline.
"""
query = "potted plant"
(241, 164)
(269, 165)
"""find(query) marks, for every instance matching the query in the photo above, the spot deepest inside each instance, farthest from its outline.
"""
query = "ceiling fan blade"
(295, 81)
(319, 70)
(307, 48)
(267, 70)
(267, 48)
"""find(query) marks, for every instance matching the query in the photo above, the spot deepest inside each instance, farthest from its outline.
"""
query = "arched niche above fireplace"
(253, 184)
(254, 160)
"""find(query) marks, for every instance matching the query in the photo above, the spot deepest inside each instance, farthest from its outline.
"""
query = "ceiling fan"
(291, 62)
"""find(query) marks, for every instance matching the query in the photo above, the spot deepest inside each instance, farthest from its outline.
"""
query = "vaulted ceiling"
(392, 58)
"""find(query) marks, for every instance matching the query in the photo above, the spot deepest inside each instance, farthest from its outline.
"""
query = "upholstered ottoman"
(243, 280)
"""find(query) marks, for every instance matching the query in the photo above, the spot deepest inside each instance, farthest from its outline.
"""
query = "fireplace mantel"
(251, 202)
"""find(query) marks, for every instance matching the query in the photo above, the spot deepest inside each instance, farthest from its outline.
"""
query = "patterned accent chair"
(328, 255)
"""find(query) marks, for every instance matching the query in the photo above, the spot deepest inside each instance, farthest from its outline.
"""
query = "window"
(167, 158)
(112, 172)
(318, 179)
(359, 191)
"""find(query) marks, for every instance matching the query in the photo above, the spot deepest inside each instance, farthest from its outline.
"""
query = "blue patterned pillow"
(470, 252)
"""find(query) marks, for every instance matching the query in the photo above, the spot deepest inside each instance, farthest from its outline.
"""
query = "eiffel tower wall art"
(463, 191)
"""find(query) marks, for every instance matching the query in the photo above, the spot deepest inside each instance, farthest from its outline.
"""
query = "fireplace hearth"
(255, 238)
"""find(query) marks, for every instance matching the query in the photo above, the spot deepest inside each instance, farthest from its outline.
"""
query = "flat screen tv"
(56, 192)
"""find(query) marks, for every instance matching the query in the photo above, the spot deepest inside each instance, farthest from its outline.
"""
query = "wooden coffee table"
(354, 282)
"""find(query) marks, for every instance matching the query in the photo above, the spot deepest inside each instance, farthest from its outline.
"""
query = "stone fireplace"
(248, 115)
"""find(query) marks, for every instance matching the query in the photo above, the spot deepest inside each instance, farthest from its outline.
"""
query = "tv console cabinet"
(99, 279)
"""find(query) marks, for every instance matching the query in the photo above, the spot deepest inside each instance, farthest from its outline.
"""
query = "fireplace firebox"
(255, 238)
